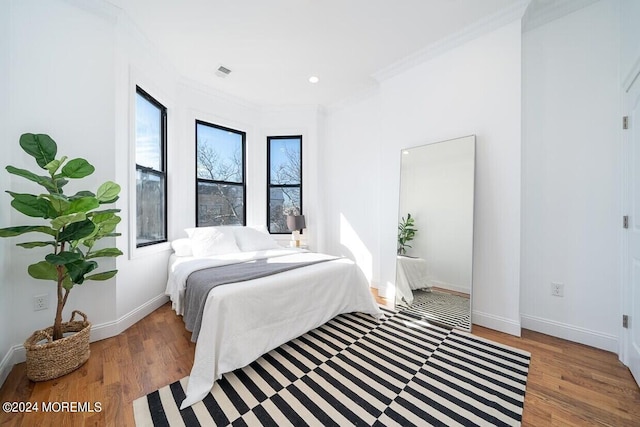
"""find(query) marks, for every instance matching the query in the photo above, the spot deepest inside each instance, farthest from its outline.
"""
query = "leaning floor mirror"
(434, 259)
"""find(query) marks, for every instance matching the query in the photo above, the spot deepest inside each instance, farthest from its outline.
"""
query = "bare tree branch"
(211, 166)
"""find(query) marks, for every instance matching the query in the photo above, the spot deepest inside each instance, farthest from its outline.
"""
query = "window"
(220, 188)
(284, 177)
(151, 176)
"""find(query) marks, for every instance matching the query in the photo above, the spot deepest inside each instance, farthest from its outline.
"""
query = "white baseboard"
(17, 353)
(111, 329)
(572, 333)
(502, 324)
(387, 292)
(450, 286)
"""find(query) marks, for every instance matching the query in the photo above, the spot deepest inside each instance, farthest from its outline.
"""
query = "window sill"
(145, 251)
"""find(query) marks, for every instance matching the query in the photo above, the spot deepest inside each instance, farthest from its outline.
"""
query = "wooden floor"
(569, 384)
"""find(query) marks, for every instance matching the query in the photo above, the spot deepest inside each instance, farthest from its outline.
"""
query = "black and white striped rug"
(356, 371)
(449, 309)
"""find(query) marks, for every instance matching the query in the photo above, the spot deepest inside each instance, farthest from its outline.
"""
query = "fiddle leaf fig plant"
(406, 233)
(73, 223)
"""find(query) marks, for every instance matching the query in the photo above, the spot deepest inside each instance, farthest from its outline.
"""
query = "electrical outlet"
(40, 302)
(557, 289)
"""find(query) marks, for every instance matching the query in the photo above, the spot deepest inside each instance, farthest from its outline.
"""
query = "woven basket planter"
(53, 359)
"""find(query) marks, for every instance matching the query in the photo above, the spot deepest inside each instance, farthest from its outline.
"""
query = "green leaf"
(107, 226)
(77, 231)
(31, 245)
(64, 220)
(60, 182)
(107, 252)
(83, 204)
(54, 165)
(63, 258)
(105, 211)
(108, 192)
(27, 174)
(77, 168)
(106, 202)
(33, 206)
(99, 217)
(79, 268)
(54, 186)
(58, 202)
(67, 283)
(91, 241)
(81, 194)
(17, 231)
(39, 146)
(102, 276)
(43, 271)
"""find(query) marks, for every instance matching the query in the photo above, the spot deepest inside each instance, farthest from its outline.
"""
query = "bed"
(411, 275)
(242, 320)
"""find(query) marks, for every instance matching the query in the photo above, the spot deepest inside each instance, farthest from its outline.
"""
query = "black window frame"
(211, 181)
(270, 186)
(163, 160)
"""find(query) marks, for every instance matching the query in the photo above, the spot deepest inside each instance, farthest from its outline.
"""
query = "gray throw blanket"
(201, 282)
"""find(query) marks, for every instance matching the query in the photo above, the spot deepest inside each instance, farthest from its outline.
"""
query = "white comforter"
(411, 274)
(244, 320)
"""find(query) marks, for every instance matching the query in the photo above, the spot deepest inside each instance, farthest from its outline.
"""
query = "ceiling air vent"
(223, 71)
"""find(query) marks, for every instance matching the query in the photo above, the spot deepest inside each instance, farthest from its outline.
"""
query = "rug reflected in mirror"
(354, 370)
(441, 307)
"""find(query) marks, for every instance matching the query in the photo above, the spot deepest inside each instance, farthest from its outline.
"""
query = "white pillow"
(182, 247)
(249, 239)
(222, 228)
(207, 241)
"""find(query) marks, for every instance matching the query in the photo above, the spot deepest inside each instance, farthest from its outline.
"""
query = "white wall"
(6, 287)
(61, 83)
(630, 39)
(472, 89)
(571, 221)
(142, 273)
(352, 184)
(73, 71)
(65, 60)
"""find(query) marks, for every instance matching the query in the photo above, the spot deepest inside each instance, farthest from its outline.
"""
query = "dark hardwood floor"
(569, 384)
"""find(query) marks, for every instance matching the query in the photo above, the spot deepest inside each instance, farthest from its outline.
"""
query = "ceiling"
(273, 47)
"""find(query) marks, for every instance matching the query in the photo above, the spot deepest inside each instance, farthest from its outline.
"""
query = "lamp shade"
(295, 222)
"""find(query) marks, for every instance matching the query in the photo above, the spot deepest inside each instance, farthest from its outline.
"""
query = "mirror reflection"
(435, 231)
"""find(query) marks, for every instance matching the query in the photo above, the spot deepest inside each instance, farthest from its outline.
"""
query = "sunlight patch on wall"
(355, 248)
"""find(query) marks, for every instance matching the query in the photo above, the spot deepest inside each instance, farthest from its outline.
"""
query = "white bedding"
(244, 320)
(181, 267)
(411, 274)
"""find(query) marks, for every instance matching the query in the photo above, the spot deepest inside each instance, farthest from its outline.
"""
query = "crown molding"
(541, 12)
(99, 8)
(471, 32)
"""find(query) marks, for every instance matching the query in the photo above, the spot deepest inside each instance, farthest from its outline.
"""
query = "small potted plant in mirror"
(406, 233)
(71, 226)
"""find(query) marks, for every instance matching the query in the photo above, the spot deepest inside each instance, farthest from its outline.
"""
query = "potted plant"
(406, 233)
(72, 225)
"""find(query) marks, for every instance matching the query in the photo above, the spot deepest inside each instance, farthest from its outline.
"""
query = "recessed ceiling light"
(314, 79)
